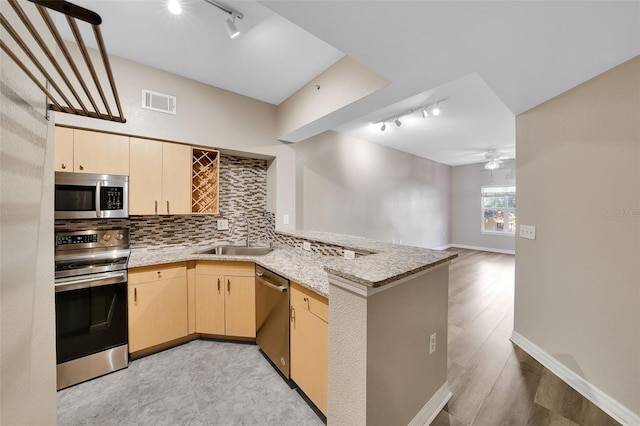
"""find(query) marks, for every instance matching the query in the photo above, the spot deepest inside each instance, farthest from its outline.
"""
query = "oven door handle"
(97, 280)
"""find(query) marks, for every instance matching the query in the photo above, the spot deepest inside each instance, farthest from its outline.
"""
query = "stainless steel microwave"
(91, 196)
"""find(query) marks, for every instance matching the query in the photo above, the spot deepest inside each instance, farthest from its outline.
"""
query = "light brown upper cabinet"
(84, 151)
(159, 177)
(63, 149)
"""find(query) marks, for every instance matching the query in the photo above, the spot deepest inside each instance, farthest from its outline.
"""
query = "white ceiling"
(493, 59)
(269, 61)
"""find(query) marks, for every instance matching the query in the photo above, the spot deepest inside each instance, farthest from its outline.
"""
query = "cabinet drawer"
(157, 272)
(304, 298)
(222, 267)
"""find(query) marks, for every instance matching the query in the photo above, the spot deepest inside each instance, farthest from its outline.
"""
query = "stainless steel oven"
(91, 196)
(90, 304)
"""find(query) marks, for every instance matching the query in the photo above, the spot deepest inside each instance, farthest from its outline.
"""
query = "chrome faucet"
(233, 227)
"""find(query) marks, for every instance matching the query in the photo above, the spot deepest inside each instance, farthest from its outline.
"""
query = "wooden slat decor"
(68, 91)
(204, 181)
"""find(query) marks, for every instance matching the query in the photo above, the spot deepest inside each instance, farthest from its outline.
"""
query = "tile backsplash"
(243, 192)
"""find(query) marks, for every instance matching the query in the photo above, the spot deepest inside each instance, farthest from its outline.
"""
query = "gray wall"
(578, 283)
(350, 186)
(27, 322)
(466, 210)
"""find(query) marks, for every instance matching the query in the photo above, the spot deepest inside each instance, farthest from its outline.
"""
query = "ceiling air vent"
(158, 102)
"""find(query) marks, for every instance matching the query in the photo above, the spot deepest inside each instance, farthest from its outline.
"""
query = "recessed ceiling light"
(436, 110)
(174, 7)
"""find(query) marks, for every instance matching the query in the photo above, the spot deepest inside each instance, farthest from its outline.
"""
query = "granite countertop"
(389, 263)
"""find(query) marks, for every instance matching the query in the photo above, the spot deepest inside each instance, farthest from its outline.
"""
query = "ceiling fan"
(494, 159)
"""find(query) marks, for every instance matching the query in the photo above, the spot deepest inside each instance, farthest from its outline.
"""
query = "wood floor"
(493, 381)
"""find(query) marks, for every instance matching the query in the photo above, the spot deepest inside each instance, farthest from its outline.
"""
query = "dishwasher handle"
(280, 288)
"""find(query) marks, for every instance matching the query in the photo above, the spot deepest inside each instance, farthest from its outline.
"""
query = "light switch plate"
(285, 219)
(223, 224)
(349, 254)
(528, 231)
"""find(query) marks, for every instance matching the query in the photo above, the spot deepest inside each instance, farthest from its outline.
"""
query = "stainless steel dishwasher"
(272, 318)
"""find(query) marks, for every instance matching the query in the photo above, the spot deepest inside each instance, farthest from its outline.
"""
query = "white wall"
(578, 283)
(466, 209)
(27, 319)
(354, 187)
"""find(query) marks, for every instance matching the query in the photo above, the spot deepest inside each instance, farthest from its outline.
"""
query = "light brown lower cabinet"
(310, 344)
(157, 305)
(226, 298)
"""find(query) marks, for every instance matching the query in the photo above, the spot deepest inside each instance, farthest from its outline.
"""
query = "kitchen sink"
(230, 250)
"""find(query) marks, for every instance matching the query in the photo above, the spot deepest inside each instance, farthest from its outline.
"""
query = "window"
(498, 209)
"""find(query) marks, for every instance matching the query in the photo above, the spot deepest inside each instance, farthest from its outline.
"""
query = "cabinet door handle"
(168, 207)
(81, 167)
(306, 299)
(293, 314)
(156, 206)
(135, 294)
(228, 286)
(218, 285)
(64, 165)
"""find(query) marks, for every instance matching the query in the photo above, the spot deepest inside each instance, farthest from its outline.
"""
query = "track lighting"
(174, 7)
(231, 26)
(231, 21)
(426, 111)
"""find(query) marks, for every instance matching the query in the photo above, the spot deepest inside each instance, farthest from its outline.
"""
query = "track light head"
(398, 122)
(425, 113)
(231, 26)
(436, 109)
(383, 127)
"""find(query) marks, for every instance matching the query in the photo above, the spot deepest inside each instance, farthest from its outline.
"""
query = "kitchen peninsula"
(388, 319)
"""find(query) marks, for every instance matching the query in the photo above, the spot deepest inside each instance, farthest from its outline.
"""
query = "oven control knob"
(119, 236)
(106, 237)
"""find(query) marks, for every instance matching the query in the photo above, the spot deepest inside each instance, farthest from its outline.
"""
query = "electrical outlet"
(223, 224)
(349, 254)
(285, 219)
(306, 246)
(432, 343)
(527, 231)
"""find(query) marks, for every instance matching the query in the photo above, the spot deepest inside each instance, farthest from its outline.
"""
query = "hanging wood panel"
(68, 91)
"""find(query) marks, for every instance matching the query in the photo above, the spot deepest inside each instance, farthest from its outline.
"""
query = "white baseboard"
(603, 401)
(431, 409)
(493, 250)
(444, 247)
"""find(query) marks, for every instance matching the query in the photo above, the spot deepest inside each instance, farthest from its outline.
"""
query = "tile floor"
(202, 382)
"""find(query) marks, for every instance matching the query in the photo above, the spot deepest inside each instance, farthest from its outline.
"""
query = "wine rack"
(205, 172)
